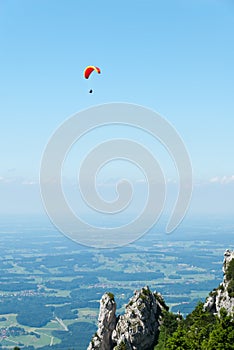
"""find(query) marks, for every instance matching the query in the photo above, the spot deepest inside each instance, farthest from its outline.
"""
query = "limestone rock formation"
(223, 296)
(106, 324)
(136, 329)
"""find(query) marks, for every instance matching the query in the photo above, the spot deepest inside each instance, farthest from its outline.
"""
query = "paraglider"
(88, 71)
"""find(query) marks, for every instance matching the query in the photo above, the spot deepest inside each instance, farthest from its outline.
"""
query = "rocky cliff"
(223, 296)
(137, 328)
(102, 340)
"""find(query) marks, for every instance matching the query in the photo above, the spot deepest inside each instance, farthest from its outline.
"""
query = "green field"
(53, 296)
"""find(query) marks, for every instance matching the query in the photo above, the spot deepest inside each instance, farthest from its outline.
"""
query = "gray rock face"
(137, 329)
(220, 297)
(106, 324)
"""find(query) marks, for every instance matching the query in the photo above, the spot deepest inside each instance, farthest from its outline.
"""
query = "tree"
(222, 336)
(178, 341)
(167, 328)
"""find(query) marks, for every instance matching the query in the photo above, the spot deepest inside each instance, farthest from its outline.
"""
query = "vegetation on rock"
(230, 278)
(111, 295)
(200, 330)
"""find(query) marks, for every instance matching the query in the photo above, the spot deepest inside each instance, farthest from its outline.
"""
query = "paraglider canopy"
(89, 69)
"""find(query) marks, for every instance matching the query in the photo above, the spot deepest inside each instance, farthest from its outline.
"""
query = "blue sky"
(173, 56)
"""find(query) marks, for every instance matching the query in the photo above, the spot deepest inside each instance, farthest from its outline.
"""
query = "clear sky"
(174, 56)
